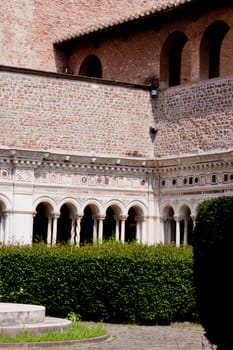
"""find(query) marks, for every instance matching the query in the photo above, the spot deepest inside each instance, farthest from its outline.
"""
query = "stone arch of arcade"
(177, 225)
(44, 227)
(4, 219)
(185, 218)
(210, 49)
(113, 218)
(173, 58)
(67, 221)
(135, 225)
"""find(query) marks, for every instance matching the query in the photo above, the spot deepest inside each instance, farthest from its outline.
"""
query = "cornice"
(104, 163)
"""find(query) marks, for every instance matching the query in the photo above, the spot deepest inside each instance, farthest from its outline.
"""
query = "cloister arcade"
(94, 224)
(91, 224)
(177, 228)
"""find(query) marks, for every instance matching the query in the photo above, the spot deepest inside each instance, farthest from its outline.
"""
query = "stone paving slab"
(180, 336)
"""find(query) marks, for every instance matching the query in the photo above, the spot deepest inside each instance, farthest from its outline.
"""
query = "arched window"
(86, 233)
(171, 60)
(169, 225)
(131, 225)
(210, 48)
(109, 228)
(40, 223)
(91, 67)
(64, 225)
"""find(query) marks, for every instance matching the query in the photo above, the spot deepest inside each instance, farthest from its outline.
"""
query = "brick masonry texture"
(194, 118)
(30, 28)
(47, 113)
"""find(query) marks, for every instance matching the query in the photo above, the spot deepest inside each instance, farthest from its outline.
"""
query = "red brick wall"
(194, 118)
(29, 29)
(47, 113)
(138, 56)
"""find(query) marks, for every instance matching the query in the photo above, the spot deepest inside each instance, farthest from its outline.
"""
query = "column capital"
(123, 217)
(166, 218)
(54, 215)
(100, 217)
(178, 218)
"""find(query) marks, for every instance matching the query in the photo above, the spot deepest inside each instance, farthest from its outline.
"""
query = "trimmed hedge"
(118, 283)
(213, 242)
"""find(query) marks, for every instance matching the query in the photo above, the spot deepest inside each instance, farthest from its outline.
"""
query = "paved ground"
(175, 337)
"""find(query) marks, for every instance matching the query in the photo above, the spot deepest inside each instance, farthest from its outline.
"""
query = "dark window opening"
(91, 67)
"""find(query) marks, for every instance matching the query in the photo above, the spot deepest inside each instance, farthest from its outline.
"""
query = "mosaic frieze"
(46, 177)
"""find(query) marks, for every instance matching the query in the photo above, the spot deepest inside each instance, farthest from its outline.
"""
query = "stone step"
(18, 318)
(18, 314)
(50, 324)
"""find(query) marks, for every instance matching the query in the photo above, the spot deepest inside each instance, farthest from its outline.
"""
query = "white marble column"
(78, 229)
(117, 234)
(54, 236)
(139, 220)
(95, 228)
(100, 228)
(49, 231)
(123, 220)
(177, 220)
(73, 230)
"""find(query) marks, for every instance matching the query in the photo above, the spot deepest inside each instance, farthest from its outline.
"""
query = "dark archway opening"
(64, 225)
(40, 224)
(171, 60)
(131, 226)
(91, 67)
(86, 227)
(210, 49)
(109, 226)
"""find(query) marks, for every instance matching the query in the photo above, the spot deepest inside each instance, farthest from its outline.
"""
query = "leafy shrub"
(213, 238)
(112, 282)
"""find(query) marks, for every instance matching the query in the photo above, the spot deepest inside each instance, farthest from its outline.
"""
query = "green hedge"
(213, 242)
(128, 283)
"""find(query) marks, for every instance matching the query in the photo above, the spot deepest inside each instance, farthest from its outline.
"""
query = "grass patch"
(77, 331)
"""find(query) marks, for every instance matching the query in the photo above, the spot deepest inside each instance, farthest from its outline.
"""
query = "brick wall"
(138, 53)
(29, 29)
(40, 112)
(194, 118)
(52, 113)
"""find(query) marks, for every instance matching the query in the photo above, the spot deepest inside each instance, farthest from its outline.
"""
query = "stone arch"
(89, 222)
(91, 67)
(172, 58)
(68, 213)
(43, 217)
(186, 224)
(95, 206)
(210, 49)
(73, 204)
(111, 222)
(133, 224)
(168, 216)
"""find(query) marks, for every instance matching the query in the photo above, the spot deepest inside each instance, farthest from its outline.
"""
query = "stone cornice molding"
(109, 164)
